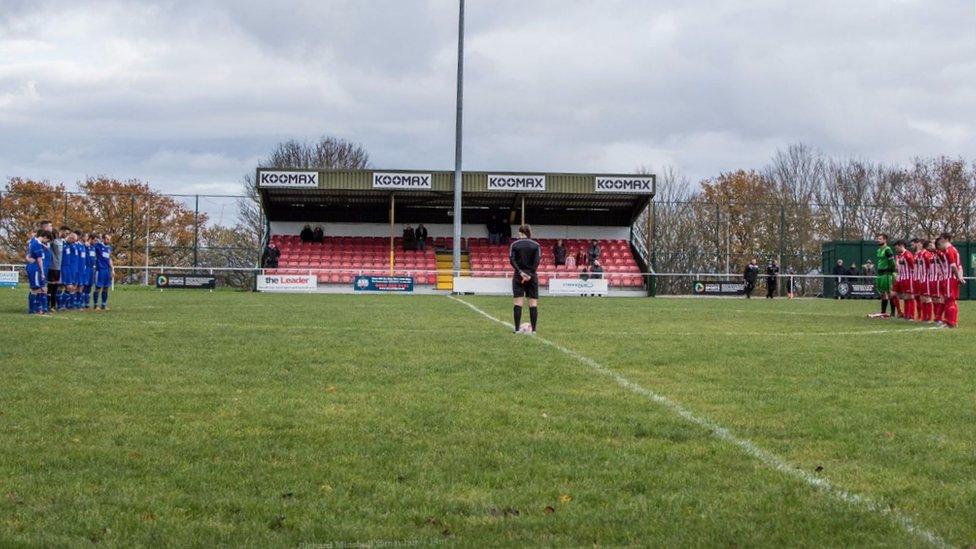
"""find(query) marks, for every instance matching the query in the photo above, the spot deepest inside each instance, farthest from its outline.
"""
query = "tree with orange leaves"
(749, 216)
(22, 205)
(130, 210)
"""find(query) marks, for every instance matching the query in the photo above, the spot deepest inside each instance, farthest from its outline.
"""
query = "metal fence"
(689, 236)
(149, 229)
(678, 284)
(705, 237)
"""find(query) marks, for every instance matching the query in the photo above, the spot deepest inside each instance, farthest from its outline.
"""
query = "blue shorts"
(35, 278)
(67, 278)
(88, 278)
(80, 278)
(103, 279)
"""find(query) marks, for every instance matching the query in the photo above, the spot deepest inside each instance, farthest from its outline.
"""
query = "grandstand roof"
(426, 196)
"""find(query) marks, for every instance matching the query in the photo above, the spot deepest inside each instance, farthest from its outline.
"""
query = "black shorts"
(53, 276)
(529, 289)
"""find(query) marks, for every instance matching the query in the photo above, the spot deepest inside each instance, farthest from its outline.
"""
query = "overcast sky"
(190, 95)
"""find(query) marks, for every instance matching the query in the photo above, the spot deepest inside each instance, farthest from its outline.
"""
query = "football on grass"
(525, 328)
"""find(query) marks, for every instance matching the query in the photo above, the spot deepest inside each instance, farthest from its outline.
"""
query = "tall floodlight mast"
(457, 143)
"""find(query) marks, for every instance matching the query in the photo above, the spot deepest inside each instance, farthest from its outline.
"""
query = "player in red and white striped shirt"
(954, 279)
(936, 279)
(905, 265)
(923, 262)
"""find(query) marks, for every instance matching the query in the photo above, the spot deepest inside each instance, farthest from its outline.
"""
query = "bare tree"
(674, 224)
(328, 153)
(842, 198)
(953, 195)
(796, 175)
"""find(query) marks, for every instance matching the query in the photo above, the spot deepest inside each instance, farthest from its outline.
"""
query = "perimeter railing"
(663, 284)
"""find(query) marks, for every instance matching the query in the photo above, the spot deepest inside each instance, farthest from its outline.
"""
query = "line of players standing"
(64, 268)
(927, 280)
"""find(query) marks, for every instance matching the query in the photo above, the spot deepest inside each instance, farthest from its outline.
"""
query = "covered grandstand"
(363, 214)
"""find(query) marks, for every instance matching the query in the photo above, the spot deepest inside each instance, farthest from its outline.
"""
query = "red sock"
(951, 313)
(918, 308)
(895, 305)
(927, 311)
(939, 308)
(910, 309)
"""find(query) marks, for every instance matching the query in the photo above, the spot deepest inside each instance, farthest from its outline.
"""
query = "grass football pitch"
(200, 419)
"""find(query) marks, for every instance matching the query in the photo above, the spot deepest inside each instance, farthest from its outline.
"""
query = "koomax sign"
(625, 185)
(517, 183)
(408, 181)
(288, 179)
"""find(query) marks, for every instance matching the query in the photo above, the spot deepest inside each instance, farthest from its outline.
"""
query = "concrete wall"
(445, 229)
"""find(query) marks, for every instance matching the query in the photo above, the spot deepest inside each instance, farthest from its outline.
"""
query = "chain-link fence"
(720, 239)
(148, 229)
(694, 236)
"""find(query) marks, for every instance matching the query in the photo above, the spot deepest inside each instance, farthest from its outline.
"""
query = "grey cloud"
(189, 94)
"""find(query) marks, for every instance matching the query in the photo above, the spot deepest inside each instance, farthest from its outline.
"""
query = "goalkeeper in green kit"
(885, 281)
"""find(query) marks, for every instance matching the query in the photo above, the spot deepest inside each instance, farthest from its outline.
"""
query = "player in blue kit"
(38, 257)
(89, 280)
(80, 258)
(103, 269)
(69, 270)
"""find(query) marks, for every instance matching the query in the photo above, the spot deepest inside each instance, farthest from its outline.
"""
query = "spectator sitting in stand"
(306, 234)
(571, 261)
(582, 258)
(596, 270)
(559, 253)
(318, 235)
(869, 268)
(584, 273)
(594, 252)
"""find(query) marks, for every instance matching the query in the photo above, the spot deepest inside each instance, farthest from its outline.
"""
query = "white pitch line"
(766, 457)
(783, 334)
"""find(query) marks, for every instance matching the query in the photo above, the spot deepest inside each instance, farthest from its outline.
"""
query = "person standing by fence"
(790, 282)
(750, 275)
(772, 274)
(271, 256)
(839, 272)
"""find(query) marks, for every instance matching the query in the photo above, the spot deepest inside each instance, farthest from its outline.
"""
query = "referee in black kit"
(525, 255)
